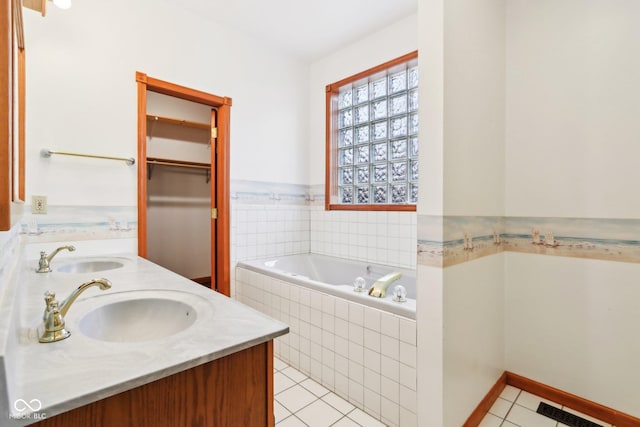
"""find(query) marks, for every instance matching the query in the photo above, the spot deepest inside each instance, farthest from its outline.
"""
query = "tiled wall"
(272, 219)
(591, 238)
(365, 355)
(377, 236)
(263, 230)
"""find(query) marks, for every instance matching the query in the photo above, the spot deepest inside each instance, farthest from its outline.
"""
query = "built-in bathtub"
(360, 347)
(336, 276)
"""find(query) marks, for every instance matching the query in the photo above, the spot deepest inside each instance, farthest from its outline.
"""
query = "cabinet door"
(236, 390)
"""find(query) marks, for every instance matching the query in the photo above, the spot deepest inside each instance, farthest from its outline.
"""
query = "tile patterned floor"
(516, 407)
(301, 402)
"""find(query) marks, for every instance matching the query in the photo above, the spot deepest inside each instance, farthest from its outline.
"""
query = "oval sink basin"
(89, 266)
(137, 320)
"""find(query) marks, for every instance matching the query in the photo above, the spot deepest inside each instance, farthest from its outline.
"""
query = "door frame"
(220, 252)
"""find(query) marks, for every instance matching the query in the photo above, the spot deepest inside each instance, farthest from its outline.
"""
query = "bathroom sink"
(78, 267)
(137, 319)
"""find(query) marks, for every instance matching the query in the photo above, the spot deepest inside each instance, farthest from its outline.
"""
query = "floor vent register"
(564, 417)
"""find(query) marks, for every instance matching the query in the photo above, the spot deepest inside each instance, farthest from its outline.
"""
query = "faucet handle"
(49, 301)
(43, 263)
(49, 297)
(53, 325)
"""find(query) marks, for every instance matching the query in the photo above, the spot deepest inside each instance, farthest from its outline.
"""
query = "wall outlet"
(39, 204)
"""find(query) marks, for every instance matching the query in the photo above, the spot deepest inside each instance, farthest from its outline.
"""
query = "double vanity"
(130, 343)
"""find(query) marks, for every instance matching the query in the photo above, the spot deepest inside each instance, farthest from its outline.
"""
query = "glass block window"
(372, 138)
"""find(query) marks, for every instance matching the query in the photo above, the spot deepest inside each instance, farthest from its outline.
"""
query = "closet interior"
(179, 186)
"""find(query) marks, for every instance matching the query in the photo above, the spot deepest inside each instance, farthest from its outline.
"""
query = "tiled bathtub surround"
(261, 230)
(379, 237)
(267, 219)
(451, 240)
(364, 355)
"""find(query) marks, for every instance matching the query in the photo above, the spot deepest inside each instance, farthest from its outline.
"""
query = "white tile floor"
(300, 401)
(516, 407)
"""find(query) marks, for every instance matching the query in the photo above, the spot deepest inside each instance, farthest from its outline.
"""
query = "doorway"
(217, 170)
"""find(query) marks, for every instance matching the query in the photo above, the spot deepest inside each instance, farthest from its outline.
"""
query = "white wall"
(430, 298)
(573, 324)
(462, 105)
(474, 107)
(430, 321)
(573, 134)
(474, 94)
(473, 334)
(572, 149)
(81, 95)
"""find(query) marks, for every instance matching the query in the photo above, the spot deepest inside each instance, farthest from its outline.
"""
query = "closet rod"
(179, 164)
(47, 153)
(151, 161)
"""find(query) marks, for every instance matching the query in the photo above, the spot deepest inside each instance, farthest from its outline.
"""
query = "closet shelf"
(178, 122)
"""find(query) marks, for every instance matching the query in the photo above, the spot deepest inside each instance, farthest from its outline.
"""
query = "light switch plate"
(39, 204)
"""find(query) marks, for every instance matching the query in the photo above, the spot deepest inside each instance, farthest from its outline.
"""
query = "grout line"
(337, 408)
(351, 419)
(308, 404)
(316, 397)
(340, 419)
(283, 390)
(510, 408)
(293, 415)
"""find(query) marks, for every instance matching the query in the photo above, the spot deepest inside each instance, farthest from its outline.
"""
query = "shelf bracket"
(149, 171)
(208, 175)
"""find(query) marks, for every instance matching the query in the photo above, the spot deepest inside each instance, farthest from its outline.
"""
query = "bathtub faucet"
(379, 288)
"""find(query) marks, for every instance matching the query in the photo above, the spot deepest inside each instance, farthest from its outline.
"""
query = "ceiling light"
(62, 4)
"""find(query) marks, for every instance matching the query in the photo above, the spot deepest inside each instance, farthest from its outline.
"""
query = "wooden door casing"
(220, 250)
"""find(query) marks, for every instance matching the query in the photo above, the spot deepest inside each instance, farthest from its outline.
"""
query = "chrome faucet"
(53, 325)
(44, 264)
(379, 288)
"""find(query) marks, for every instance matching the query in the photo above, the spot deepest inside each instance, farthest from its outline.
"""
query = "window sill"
(401, 208)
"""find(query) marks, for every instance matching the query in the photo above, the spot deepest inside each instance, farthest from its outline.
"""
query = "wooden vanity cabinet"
(236, 390)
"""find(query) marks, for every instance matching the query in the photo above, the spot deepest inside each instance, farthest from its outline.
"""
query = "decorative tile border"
(269, 193)
(317, 195)
(80, 223)
(443, 242)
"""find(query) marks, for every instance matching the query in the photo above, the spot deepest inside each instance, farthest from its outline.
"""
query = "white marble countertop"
(79, 370)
